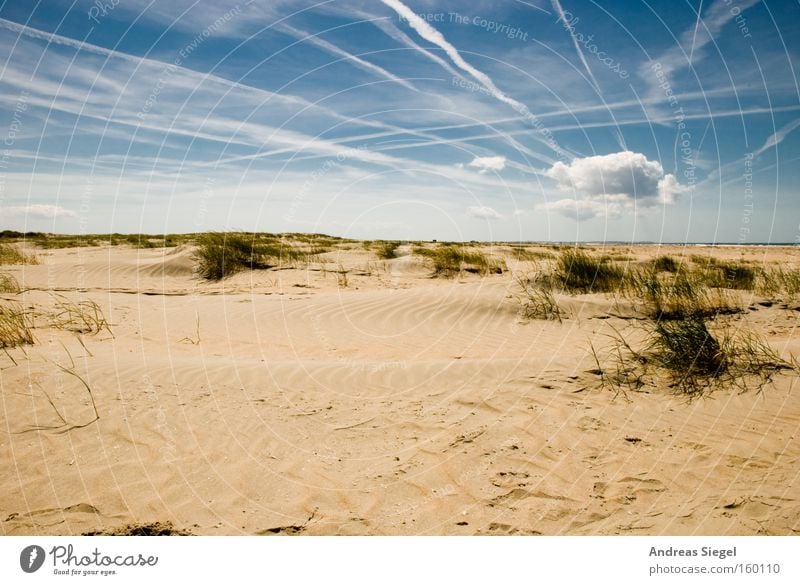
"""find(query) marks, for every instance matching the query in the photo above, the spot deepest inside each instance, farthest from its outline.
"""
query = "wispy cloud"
(482, 212)
(336, 51)
(37, 211)
(776, 138)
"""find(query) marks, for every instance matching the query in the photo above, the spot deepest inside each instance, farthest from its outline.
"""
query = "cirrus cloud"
(612, 184)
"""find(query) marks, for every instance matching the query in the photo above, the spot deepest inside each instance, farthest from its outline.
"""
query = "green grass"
(450, 260)
(526, 254)
(386, 250)
(223, 254)
(537, 301)
(678, 296)
(578, 272)
(693, 359)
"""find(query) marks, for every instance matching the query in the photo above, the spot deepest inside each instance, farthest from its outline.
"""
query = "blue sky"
(412, 119)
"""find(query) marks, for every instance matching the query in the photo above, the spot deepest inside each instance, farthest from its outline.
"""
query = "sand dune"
(277, 402)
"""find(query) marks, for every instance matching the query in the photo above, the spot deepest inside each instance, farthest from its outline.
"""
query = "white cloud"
(38, 211)
(612, 183)
(481, 212)
(520, 212)
(581, 209)
(489, 163)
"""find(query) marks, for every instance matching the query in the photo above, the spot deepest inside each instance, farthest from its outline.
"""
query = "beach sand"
(282, 402)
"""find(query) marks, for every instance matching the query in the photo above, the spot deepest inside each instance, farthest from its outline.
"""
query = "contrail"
(562, 17)
(334, 50)
(427, 32)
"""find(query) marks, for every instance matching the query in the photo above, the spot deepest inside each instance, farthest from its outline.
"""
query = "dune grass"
(12, 255)
(692, 358)
(678, 296)
(666, 264)
(222, 254)
(777, 282)
(537, 301)
(579, 272)
(8, 284)
(84, 316)
(450, 260)
(386, 249)
(15, 326)
(527, 254)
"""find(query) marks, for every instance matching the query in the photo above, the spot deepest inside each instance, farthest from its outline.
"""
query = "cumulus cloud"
(612, 184)
(481, 212)
(489, 163)
(38, 211)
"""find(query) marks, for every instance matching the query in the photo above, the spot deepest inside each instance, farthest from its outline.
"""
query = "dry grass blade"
(84, 317)
(15, 327)
(537, 300)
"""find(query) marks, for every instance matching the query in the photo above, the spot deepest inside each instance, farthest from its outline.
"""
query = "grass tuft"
(8, 284)
(15, 327)
(693, 358)
(451, 260)
(578, 272)
(11, 255)
(537, 301)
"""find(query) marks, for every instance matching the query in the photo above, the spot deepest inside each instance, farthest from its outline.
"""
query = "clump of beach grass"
(8, 284)
(451, 260)
(385, 249)
(579, 272)
(666, 264)
(222, 254)
(12, 255)
(537, 300)
(15, 326)
(693, 359)
(679, 296)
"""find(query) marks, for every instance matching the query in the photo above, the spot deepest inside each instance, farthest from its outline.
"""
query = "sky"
(506, 120)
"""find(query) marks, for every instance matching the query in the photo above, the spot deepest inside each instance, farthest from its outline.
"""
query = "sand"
(279, 402)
